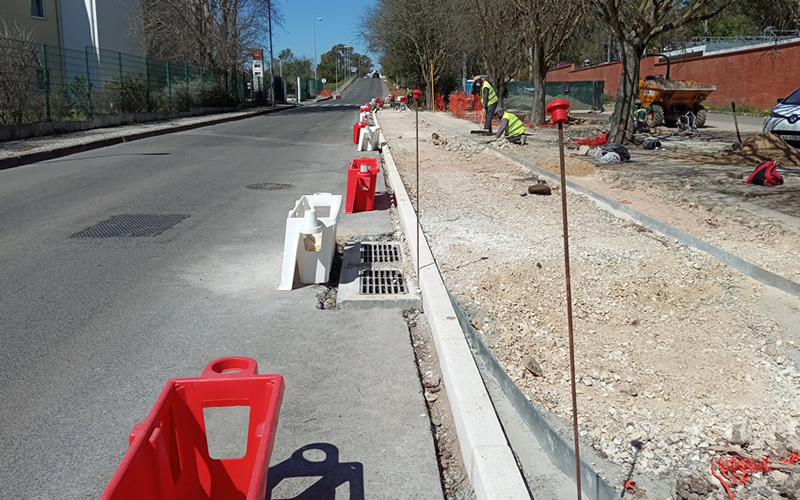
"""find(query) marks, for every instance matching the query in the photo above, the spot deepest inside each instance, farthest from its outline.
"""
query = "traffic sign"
(324, 80)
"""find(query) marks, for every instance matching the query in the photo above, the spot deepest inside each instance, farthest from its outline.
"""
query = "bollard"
(362, 176)
(168, 454)
(357, 130)
(310, 240)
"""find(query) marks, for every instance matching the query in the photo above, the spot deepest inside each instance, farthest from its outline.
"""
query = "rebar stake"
(558, 110)
(416, 112)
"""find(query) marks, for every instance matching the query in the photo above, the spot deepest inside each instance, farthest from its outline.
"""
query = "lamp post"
(314, 30)
(337, 72)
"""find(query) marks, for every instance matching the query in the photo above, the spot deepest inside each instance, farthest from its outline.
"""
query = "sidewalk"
(26, 151)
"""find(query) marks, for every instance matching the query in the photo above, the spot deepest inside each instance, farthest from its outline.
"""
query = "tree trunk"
(539, 83)
(622, 126)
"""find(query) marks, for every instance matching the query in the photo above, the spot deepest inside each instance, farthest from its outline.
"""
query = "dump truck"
(672, 99)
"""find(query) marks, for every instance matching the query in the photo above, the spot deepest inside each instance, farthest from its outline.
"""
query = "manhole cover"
(269, 186)
(131, 226)
(380, 252)
(381, 282)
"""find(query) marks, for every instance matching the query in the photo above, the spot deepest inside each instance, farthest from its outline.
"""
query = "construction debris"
(761, 148)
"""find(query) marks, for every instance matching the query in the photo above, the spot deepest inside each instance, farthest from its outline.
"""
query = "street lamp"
(337, 72)
(314, 30)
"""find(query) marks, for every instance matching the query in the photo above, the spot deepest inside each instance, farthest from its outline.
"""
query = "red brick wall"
(754, 77)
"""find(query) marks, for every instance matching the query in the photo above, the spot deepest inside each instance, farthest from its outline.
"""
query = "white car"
(784, 120)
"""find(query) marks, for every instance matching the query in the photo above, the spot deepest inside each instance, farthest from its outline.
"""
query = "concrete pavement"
(90, 329)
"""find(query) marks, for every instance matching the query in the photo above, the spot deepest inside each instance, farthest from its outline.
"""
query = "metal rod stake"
(416, 108)
(569, 309)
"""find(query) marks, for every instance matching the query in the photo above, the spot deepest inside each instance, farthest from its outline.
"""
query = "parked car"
(784, 120)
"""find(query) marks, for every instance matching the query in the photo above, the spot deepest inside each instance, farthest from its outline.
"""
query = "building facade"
(112, 25)
(39, 17)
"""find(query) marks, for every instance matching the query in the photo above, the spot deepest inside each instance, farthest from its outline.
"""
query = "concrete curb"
(488, 458)
(18, 161)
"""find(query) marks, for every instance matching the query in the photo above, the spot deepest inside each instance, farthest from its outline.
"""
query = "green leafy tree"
(635, 24)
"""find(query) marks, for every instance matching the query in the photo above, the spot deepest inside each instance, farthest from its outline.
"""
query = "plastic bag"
(607, 157)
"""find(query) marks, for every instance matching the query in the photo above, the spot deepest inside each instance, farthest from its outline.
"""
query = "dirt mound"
(761, 148)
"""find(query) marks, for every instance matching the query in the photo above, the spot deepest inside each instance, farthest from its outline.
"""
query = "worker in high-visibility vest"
(488, 98)
(511, 126)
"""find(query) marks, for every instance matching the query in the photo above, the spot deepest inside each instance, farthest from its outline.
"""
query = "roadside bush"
(130, 97)
(199, 93)
(80, 98)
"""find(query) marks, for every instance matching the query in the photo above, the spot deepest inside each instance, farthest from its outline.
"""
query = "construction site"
(685, 288)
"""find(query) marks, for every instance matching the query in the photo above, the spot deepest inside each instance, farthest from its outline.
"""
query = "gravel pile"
(674, 350)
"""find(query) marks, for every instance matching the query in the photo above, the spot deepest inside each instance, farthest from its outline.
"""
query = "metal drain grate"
(131, 226)
(269, 186)
(381, 282)
(380, 252)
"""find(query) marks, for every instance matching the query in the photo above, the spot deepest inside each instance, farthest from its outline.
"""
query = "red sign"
(258, 54)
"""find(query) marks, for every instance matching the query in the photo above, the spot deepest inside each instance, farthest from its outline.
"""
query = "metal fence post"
(88, 85)
(169, 88)
(121, 90)
(46, 78)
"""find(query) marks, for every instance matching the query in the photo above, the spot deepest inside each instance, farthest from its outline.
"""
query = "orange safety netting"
(440, 102)
(466, 107)
(737, 470)
(325, 93)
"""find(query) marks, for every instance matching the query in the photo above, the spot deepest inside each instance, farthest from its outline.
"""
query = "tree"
(423, 36)
(20, 72)
(328, 63)
(501, 51)
(295, 67)
(547, 26)
(635, 23)
(211, 33)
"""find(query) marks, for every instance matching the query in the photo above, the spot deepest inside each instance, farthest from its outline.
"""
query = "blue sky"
(340, 24)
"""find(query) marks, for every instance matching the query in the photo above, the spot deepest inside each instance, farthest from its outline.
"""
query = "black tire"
(657, 118)
(700, 117)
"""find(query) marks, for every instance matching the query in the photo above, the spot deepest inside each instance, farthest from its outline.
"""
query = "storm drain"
(380, 252)
(381, 282)
(131, 226)
(269, 186)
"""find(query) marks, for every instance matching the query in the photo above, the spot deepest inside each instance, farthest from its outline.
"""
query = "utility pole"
(314, 30)
(271, 60)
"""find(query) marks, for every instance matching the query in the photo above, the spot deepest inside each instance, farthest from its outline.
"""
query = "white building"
(103, 24)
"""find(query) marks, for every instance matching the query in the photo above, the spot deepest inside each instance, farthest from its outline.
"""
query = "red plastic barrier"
(361, 180)
(357, 130)
(168, 455)
(325, 93)
(596, 140)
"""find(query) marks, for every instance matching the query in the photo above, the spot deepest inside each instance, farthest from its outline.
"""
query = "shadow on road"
(328, 472)
(83, 158)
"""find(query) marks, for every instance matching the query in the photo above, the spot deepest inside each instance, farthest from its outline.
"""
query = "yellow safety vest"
(515, 126)
(492, 95)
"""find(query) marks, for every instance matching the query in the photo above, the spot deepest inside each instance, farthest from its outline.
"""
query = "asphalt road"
(91, 328)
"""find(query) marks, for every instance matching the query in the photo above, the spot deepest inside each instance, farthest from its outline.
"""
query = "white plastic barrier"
(368, 138)
(310, 239)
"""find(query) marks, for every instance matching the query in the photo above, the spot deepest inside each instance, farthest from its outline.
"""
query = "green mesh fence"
(580, 95)
(44, 83)
(309, 87)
